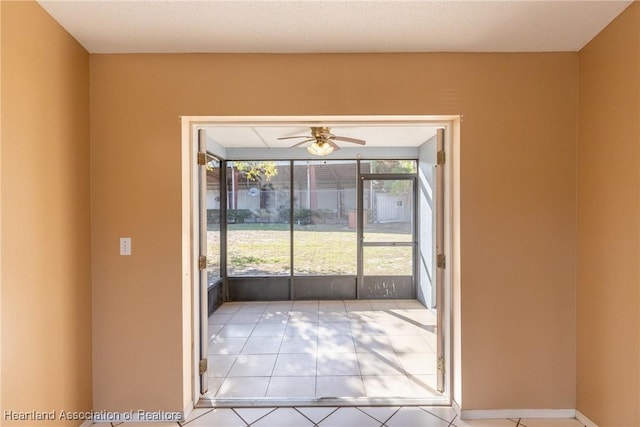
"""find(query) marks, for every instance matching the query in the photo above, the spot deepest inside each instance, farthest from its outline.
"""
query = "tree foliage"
(394, 187)
(258, 170)
(393, 166)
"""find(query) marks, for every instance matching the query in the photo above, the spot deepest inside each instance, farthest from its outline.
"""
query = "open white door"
(441, 258)
(202, 259)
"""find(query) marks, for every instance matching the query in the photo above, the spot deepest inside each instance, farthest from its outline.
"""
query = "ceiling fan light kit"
(323, 141)
(320, 148)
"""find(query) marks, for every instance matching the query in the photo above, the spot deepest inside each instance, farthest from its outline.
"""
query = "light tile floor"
(322, 349)
(313, 349)
(388, 416)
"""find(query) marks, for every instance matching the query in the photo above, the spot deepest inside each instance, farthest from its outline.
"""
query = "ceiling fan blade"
(291, 137)
(302, 143)
(333, 144)
(351, 140)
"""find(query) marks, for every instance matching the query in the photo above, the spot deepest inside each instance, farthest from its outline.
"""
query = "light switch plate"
(125, 246)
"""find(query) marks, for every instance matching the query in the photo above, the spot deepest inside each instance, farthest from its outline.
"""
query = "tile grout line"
(266, 391)
(372, 417)
(286, 324)
(327, 416)
(188, 421)
(316, 362)
(301, 413)
(384, 424)
(239, 416)
(243, 346)
(224, 324)
(255, 421)
(452, 420)
(296, 409)
(437, 416)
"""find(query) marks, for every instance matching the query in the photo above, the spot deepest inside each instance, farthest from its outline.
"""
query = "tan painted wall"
(517, 201)
(46, 293)
(608, 280)
(1, 401)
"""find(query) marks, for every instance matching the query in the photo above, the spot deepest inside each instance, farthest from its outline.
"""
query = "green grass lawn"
(264, 249)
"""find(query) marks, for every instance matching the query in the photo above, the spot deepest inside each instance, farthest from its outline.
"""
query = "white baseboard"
(478, 414)
(584, 420)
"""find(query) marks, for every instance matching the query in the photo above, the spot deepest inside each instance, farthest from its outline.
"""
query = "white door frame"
(191, 236)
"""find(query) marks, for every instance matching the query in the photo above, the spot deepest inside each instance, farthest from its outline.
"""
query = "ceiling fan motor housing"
(320, 133)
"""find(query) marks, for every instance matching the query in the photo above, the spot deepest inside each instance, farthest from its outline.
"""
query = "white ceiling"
(267, 136)
(333, 25)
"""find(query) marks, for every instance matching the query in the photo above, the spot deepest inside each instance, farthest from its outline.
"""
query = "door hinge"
(202, 159)
(204, 365)
(441, 364)
(441, 157)
(441, 261)
(202, 262)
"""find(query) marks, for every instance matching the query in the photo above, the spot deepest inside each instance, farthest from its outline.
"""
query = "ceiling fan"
(323, 141)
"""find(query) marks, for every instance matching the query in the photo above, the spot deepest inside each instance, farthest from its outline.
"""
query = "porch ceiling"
(267, 136)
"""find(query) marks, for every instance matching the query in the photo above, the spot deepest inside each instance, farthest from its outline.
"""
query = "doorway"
(387, 230)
